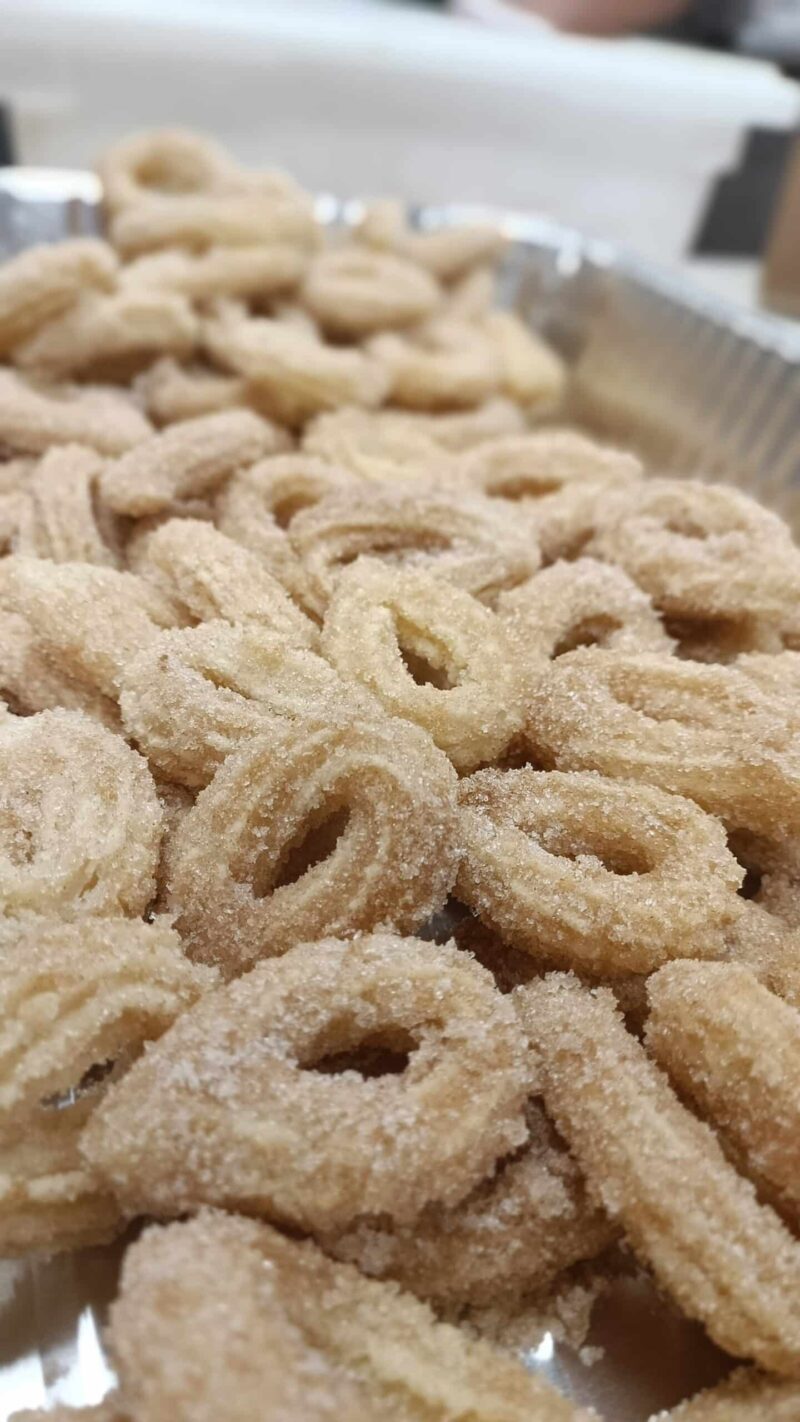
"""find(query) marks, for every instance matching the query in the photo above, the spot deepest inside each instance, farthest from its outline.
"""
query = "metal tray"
(701, 389)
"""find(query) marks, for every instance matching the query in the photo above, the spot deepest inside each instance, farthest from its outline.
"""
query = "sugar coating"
(112, 331)
(227, 1108)
(746, 1396)
(444, 364)
(379, 614)
(285, 1333)
(733, 1047)
(726, 1259)
(80, 821)
(588, 872)
(29, 682)
(354, 291)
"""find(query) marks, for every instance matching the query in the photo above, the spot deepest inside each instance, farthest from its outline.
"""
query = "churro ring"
(702, 550)
(187, 461)
(86, 620)
(257, 506)
(212, 577)
(447, 252)
(61, 518)
(171, 392)
(539, 463)
(235, 1107)
(379, 445)
(585, 603)
(40, 283)
(292, 370)
(29, 682)
(733, 1048)
(35, 417)
(430, 653)
(257, 272)
(510, 1237)
(746, 1395)
(75, 996)
(530, 371)
(701, 731)
(444, 364)
(466, 540)
(353, 292)
(197, 694)
(727, 1260)
(316, 828)
(245, 1322)
(81, 822)
(115, 333)
(590, 873)
(172, 161)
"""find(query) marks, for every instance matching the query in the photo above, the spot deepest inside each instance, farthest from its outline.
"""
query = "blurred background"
(665, 126)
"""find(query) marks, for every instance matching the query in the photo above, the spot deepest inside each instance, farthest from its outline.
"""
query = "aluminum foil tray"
(699, 388)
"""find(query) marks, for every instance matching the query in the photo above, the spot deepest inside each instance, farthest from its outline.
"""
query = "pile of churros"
(399, 824)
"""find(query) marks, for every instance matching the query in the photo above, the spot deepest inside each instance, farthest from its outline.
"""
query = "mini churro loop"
(247, 1338)
(379, 445)
(29, 682)
(590, 873)
(431, 654)
(80, 819)
(114, 333)
(540, 463)
(187, 461)
(334, 828)
(448, 252)
(33, 418)
(62, 518)
(530, 371)
(726, 1259)
(465, 540)
(213, 577)
(197, 694)
(171, 392)
(88, 621)
(510, 1237)
(354, 292)
(733, 1047)
(77, 996)
(293, 371)
(705, 732)
(235, 1106)
(257, 507)
(702, 550)
(443, 365)
(171, 161)
(585, 603)
(41, 282)
(257, 272)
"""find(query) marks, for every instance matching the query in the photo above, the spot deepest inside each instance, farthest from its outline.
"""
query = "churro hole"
(316, 843)
(589, 632)
(383, 1053)
(615, 858)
